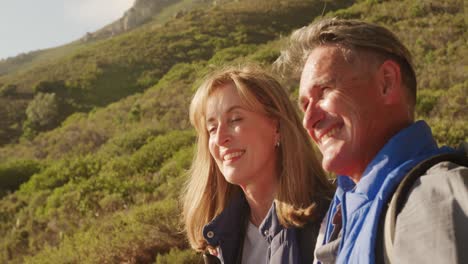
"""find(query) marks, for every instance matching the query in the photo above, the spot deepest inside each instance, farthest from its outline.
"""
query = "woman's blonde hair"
(303, 185)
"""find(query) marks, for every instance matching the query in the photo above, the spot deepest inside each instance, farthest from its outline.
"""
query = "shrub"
(112, 202)
(426, 101)
(232, 53)
(56, 87)
(129, 237)
(129, 142)
(42, 112)
(187, 256)
(16, 172)
(448, 131)
(62, 172)
(8, 90)
(453, 102)
(266, 55)
(178, 164)
(151, 156)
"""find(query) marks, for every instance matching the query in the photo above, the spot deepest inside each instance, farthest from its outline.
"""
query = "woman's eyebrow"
(230, 109)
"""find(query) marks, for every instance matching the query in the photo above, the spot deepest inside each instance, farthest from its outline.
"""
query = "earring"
(277, 143)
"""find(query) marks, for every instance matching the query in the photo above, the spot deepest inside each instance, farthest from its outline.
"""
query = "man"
(358, 94)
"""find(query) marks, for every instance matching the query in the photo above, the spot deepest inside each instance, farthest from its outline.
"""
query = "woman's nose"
(223, 135)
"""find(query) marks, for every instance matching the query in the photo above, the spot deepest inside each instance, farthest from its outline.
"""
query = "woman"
(256, 191)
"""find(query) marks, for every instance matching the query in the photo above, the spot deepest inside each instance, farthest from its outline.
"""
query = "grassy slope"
(109, 179)
(102, 170)
(93, 77)
(36, 58)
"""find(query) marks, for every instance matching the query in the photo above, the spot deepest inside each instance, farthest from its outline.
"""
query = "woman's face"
(241, 142)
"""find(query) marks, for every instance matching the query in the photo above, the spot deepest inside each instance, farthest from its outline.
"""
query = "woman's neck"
(260, 198)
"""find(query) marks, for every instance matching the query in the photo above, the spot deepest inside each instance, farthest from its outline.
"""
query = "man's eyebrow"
(318, 83)
(300, 101)
(325, 81)
(322, 82)
(230, 109)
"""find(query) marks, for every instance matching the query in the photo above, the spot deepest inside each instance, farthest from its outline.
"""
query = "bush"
(266, 55)
(448, 131)
(232, 53)
(129, 142)
(187, 256)
(56, 87)
(151, 156)
(17, 172)
(453, 102)
(177, 165)
(426, 101)
(8, 90)
(129, 237)
(62, 172)
(42, 112)
(112, 202)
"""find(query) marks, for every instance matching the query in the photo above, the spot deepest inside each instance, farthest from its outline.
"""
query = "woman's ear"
(277, 134)
(390, 83)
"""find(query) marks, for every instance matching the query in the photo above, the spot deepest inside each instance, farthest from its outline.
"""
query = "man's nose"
(312, 115)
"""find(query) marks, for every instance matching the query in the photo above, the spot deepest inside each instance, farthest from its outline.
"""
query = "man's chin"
(334, 165)
(327, 165)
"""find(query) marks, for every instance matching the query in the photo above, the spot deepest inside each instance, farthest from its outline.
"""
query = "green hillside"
(96, 141)
(106, 71)
(160, 11)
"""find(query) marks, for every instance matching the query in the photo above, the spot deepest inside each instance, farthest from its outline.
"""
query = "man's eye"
(304, 106)
(325, 90)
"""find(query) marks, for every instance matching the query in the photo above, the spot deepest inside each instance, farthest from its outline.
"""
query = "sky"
(27, 25)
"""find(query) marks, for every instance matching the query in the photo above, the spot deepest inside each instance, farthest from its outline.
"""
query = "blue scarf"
(362, 203)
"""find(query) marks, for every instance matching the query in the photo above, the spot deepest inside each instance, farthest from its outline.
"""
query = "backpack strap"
(401, 195)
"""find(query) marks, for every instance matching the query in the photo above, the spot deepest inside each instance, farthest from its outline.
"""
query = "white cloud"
(96, 13)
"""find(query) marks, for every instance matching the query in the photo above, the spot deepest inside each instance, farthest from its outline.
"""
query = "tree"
(42, 112)
(8, 90)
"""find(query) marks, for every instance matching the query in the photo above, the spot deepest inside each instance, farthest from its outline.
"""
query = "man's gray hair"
(353, 36)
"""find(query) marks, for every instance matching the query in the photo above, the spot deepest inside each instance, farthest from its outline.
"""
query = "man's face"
(341, 107)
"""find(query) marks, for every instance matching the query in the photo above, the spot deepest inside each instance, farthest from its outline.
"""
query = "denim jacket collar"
(362, 204)
(225, 230)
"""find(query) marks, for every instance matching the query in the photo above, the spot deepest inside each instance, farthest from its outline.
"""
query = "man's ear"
(390, 87)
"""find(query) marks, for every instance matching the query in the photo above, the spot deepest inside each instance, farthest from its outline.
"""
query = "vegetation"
(95, 143)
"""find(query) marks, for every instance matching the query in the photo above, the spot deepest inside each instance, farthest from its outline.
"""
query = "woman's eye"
(211, 130)
(236, 119)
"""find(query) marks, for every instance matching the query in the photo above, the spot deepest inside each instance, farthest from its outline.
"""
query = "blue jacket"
(362, 203)
(286, 245)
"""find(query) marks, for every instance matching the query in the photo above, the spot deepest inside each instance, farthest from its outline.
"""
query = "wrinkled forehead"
(333, 61)
(321, 64)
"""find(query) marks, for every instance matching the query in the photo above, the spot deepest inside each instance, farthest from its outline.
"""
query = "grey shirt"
(255, 246)
(433, 224)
